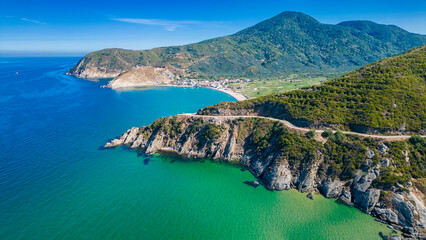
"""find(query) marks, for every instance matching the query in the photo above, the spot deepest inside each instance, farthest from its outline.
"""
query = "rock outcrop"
(278, 176)
(331, 189)
(279, 159)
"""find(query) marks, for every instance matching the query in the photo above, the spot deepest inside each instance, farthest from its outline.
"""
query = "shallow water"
(57, 183)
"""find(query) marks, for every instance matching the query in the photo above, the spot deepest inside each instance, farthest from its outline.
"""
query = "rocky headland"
(351, 169)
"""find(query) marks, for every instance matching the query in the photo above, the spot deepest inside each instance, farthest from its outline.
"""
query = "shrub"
(310, 134)
(327, 133)
(338, 137)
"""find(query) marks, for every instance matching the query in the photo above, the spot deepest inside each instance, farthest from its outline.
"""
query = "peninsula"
(375, 166)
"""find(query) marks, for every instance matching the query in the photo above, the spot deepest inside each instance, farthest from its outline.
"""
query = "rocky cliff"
(356, 171)
(88, 69)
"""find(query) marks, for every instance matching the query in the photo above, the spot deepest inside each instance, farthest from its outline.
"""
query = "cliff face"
(282, 159)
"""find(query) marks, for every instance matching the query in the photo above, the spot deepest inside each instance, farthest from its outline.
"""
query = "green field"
(257, 88)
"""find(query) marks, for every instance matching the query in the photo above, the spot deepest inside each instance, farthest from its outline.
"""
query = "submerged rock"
(254, 184)
(392, 238)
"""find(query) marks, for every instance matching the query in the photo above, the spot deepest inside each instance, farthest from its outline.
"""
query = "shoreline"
(238, 96)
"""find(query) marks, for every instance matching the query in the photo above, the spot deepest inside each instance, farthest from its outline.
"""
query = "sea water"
(56, 181)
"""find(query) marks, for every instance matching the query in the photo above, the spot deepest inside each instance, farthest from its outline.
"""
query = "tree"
(310, 134)
(327, 133)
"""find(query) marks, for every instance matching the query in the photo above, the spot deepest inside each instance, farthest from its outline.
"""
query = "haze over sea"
(57, 183)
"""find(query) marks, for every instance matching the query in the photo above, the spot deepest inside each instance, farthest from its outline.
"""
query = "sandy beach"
(236, 95)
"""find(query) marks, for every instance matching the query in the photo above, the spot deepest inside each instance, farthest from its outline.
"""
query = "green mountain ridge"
(290, 42)
(388, 96)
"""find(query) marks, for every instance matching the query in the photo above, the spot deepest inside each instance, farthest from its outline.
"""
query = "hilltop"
(290, 42)
(388, 96)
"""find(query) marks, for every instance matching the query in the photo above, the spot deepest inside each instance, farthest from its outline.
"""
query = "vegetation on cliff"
(374, 175)
(388, 95)
(343, 155)
(290, 42)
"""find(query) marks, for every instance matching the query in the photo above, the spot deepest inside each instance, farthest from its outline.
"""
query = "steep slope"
(388, 96)
(290, 42)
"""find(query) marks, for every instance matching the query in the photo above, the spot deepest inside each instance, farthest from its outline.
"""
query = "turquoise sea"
(56, 182)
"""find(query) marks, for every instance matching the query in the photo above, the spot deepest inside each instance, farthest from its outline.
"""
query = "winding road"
(305, 130)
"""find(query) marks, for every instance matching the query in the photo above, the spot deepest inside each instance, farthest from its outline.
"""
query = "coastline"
(238, 96)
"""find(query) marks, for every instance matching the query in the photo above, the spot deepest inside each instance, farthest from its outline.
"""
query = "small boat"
(17, 73)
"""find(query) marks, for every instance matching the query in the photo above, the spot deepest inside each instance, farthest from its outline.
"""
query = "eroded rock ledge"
(282, 159)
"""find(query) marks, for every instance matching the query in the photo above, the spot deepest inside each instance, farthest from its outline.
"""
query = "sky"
(75, 28)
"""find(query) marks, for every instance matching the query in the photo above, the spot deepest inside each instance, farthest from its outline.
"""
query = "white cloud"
(31, 20)
(169, 25)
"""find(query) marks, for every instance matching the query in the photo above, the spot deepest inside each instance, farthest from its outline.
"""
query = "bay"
(56, 182)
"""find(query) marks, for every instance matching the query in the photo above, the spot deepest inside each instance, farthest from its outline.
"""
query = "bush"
(338, 137)
(417, 141)
(327, 133)
(310, 134)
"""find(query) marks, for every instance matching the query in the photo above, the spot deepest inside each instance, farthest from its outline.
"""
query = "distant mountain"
(388, 96)
(290, 42)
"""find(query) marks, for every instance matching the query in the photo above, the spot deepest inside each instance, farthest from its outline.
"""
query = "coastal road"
(304, 130)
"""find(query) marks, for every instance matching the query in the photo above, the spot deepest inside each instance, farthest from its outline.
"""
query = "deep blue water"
(57, 183)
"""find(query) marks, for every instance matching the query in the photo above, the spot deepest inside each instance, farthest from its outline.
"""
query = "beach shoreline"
(238, 96)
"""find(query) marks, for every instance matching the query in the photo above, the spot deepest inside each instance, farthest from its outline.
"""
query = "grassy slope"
(257, 88)
(387, 95)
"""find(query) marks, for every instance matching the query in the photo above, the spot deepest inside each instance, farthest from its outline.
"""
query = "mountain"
(388, 96)
(290, 42)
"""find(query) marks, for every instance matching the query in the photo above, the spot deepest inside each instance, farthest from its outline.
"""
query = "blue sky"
(74, 28)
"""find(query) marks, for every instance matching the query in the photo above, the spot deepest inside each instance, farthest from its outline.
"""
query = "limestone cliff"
(282, 159)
